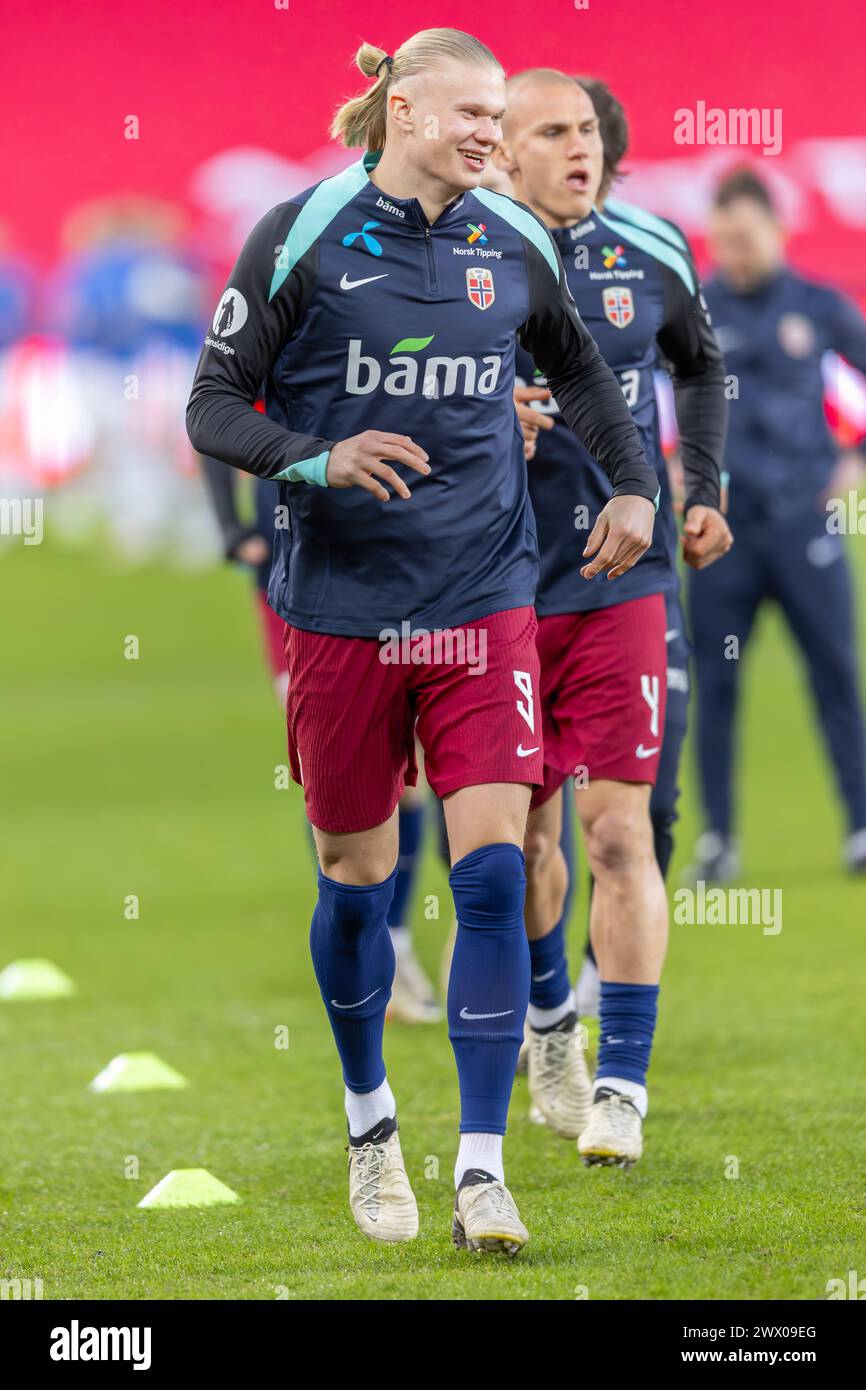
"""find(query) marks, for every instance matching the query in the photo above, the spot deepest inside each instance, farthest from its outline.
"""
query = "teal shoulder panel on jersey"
(322, 206)
(639, 217)
(654, 246)
(522, 221)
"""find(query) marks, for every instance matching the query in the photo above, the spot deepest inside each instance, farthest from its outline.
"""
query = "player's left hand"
(706, 537)
(624, 530)
(530, 420)
(847, 476)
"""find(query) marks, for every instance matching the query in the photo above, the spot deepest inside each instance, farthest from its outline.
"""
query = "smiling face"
(451, 118)
(553, 149)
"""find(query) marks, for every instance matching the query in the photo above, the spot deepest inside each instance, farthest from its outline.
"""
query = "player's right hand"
(359, 462)
(624, 530)
(252, 550)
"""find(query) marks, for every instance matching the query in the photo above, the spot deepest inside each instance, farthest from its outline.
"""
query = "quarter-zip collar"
(414, 215)
(566, 237)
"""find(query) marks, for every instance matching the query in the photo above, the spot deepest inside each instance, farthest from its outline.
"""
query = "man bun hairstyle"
(362, 119)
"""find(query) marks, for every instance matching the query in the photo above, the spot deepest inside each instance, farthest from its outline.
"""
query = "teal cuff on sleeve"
(307, 471)
(657, 498)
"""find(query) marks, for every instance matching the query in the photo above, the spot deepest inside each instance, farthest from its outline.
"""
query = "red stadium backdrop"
(233, 99)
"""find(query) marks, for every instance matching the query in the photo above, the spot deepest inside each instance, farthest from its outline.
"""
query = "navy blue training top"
(636, 289)
(358, 314)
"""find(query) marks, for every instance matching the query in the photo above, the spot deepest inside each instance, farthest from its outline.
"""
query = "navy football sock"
(627, 1022)
(354, 963)
(411, 826)
(550, 985)
(488, 990)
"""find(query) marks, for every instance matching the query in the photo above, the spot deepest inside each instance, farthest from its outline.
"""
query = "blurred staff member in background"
(251, 543)
(129, 303)
(774, 326)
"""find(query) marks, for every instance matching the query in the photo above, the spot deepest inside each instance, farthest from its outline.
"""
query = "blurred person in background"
(129, 302)
(17, 308)
(775, 326)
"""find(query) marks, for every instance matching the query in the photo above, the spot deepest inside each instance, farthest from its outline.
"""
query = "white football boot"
(855, 852)
(523, 1055)
(716, 859)
(559, 1081)
(383, 1204)
(614, 1133)
(486, 1218)
(412, 998)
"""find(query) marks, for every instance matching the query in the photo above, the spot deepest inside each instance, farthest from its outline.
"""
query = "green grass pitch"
(155, 777)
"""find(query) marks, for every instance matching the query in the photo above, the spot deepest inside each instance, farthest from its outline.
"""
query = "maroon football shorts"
(355, 705)
(603, 692)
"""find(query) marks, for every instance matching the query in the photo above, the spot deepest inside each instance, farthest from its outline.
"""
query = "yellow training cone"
(188, 1187)
(138, 1071)
(34, 979)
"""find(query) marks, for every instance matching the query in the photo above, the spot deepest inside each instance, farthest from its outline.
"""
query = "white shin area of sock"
(364, 1111)
(632, 1089)
(483, 1151)
(547, 1018)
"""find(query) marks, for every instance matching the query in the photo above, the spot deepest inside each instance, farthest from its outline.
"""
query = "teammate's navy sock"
(663, 838)
(354, 963)
(411, 826)
(549, 983)
(488, 990)
(627, 1023)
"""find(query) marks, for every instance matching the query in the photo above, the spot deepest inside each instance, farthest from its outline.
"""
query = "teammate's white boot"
(447, 957)
(486, 1218)
(383, 1204)
(614, 1132)
(855, 852)
(412, 997)
(559, 1082)
(587, 989)
(716, 860)
(523, 1055)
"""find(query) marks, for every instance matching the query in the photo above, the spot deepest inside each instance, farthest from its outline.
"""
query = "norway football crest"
(618, 306)
(479, 287)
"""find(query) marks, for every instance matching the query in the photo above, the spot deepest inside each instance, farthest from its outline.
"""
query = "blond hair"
(361, 120)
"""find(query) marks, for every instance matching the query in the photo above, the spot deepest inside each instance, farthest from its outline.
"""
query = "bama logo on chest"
(409, 370)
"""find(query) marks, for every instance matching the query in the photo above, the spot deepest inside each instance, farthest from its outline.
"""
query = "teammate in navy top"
(391, 296)
(774, 327)
(251, 544)
(602, 646)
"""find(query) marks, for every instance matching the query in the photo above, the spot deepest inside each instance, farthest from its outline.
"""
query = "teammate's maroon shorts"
(603, 692)
(354, 701)
(273, 632)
